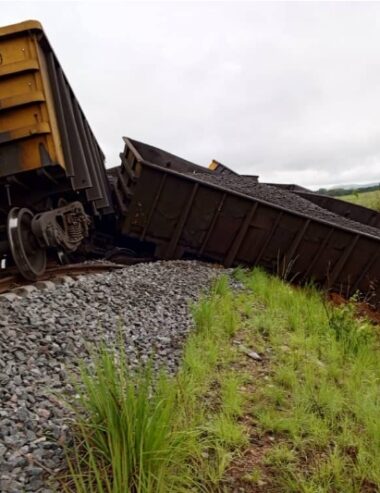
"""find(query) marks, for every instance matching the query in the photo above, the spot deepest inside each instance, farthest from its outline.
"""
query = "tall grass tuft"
(353, 334)
(125, 437)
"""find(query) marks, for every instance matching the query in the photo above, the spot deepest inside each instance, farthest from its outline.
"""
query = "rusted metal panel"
(258, 235)
(202, 222)
(170, 251)
(163, 158)
(183, 215)
(41, 123)
(240, 236)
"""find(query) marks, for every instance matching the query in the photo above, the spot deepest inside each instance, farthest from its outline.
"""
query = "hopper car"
(184, 215)
(57, 196)
(53, 183)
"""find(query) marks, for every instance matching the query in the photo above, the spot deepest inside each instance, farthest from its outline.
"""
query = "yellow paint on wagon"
(21, 99)
(28, 121)
(29, 25)
(213, 165)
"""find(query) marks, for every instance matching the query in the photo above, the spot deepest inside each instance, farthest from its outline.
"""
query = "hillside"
(369, 199)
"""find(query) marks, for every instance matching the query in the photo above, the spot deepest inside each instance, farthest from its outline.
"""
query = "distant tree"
(339, 192)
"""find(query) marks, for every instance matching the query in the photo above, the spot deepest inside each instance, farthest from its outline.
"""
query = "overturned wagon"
(184, 214)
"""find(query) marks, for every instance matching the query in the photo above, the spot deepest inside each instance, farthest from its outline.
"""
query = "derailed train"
(57, 196)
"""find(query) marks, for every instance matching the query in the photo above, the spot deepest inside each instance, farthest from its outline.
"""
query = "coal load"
(283, 198)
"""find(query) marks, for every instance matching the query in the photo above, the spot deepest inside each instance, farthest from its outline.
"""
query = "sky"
(288, 91)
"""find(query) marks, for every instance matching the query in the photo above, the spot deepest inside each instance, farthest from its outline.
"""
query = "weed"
(126, 440)
(254, 476)
(227, 431)
(353, 334)
(231, 396)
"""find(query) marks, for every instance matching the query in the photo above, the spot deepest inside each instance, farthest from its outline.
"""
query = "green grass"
(321, 400)
(366, 199)
(124, 437)
(310, 406)
(140, 434)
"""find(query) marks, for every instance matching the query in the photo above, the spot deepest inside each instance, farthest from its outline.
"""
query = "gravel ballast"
(43, 335)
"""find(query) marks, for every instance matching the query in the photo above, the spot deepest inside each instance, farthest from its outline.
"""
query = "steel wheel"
(27, 254)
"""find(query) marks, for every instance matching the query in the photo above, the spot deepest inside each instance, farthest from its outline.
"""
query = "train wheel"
(27, 253)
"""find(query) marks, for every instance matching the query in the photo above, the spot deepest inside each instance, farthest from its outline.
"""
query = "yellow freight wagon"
(29, 135)
(42, 127)
(53, 182)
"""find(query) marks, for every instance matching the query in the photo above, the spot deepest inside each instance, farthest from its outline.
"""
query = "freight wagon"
(185, 214)
(52, 174)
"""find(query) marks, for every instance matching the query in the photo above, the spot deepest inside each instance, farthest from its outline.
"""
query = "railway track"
(12, 281)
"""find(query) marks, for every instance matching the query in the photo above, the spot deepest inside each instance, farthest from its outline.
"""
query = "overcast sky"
(288, 91)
